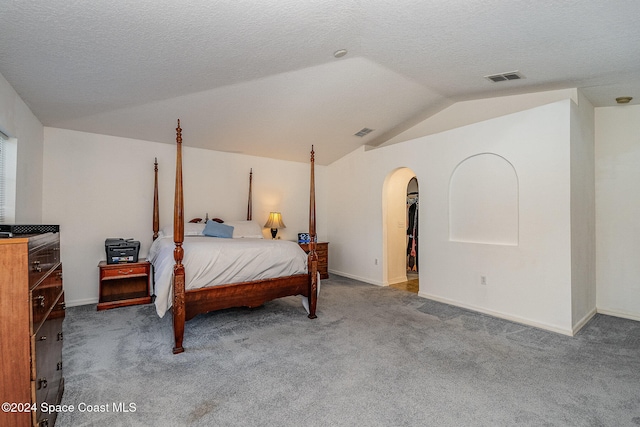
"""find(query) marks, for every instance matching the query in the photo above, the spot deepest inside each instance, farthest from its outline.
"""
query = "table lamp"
(274, 223)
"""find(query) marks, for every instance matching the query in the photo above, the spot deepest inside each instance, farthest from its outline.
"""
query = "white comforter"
(210, 261)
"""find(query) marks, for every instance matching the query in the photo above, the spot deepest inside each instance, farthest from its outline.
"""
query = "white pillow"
(246, 229)
(190, 229)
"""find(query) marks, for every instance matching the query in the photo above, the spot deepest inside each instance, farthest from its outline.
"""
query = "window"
(7, 178)
(3, 149)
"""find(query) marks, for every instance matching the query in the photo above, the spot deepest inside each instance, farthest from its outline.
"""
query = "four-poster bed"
(187, 303)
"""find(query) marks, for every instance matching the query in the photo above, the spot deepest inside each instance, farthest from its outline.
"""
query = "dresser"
(322, 249)
(31, 316)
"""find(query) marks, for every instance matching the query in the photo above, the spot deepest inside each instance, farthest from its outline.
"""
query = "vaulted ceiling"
(260, 77)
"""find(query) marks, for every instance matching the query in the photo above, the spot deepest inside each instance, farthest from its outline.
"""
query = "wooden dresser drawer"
(44, 254)
(46, 373)
(58, 310)
(44, 296)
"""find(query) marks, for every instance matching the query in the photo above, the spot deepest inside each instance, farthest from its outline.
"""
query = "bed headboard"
(156, 208)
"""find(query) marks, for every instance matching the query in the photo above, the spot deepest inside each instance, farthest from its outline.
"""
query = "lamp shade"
(275, 221)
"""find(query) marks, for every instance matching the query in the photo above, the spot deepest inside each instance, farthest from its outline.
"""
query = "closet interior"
(412, 226)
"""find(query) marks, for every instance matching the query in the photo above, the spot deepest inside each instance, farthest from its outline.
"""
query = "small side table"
(322, 249)
(124, 284)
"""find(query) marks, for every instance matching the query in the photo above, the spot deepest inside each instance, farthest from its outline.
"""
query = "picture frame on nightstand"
(304, 238)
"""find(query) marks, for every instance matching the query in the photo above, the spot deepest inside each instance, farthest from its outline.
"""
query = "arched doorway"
(395, 224)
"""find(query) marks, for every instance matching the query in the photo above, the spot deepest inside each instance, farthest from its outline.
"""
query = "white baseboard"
(583, 321)
(77, 302)
(570, 332)
(500, 315)
(616, 313)
(361, 279)
(400, 279)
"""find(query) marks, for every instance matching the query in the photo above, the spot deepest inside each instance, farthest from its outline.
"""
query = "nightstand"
(322, 248)
(124, 284)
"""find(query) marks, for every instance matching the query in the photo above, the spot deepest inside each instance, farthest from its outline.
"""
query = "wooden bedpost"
(313, 255)
(179, 310)
(156, 214)
(249, 204)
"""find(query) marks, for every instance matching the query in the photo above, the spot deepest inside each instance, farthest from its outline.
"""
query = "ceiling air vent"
(363, 132)
(503, 77)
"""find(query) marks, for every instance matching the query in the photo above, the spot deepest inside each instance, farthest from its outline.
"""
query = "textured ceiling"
(259, 77)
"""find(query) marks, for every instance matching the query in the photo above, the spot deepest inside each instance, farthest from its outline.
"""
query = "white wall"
(97, 186)
(617, 162)
(530, 282)
(583, 212)
(17, 121)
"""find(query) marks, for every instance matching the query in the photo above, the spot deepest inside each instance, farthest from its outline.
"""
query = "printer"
(121, 251)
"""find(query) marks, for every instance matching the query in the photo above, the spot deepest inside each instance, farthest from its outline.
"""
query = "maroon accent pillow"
(217, 220)
(196, 221)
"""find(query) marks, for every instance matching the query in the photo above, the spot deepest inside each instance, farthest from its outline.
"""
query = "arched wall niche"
(483, 201)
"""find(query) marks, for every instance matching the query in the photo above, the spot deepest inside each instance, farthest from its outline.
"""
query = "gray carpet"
(374, 357)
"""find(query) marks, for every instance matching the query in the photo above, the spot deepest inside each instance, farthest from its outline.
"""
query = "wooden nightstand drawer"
(322, 249)
(117, 271)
